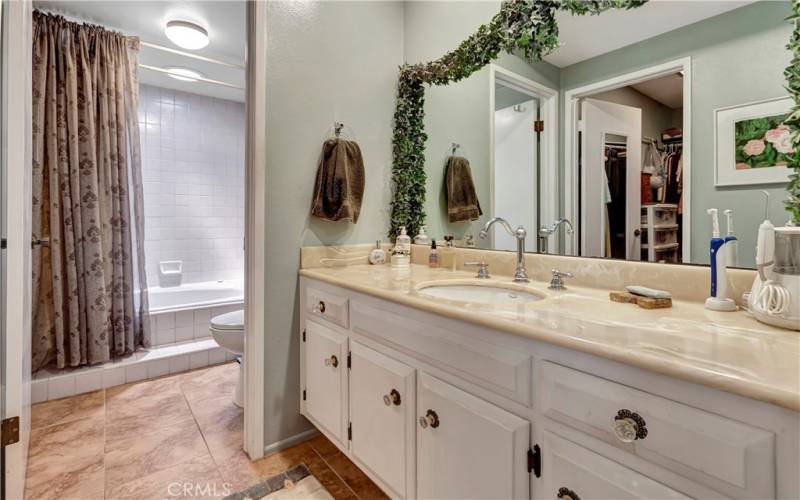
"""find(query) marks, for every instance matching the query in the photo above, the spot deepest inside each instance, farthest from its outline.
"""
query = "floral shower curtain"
(90, 292)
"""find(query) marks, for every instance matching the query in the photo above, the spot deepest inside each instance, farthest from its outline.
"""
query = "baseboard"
(290, 441)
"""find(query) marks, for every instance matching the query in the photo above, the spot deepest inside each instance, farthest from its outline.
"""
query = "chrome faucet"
(545, 232)
(520, 275)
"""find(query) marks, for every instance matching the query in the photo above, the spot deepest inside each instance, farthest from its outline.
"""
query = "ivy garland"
(525, 26)
(792, 74)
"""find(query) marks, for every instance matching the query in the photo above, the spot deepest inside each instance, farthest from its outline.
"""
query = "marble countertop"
(728, 351)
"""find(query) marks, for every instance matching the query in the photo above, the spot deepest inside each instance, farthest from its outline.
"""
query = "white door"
(326, 380)
(515, 183)
(382, 409)
(466, 447)
(15, 213)
(599, 120)
(572, 471)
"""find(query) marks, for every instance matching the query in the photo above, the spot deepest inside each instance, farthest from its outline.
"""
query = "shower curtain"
(90, 291)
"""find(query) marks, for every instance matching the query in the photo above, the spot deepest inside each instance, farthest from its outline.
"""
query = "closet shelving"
(660, 232)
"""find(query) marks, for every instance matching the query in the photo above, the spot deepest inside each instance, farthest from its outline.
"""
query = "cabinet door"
(382, 397)
(570, 470)
(466, 447)
(326, 379)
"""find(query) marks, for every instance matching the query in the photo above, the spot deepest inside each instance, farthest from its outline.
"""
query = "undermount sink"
(478, 293)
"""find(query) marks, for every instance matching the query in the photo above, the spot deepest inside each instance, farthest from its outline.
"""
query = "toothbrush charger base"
(722, 305)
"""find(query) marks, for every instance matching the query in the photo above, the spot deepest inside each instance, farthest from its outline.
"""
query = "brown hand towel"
(339, 187)
(462, 201)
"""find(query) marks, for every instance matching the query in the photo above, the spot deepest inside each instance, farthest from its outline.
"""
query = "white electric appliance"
(775, 296)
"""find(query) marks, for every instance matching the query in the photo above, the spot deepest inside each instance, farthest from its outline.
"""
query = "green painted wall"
(737, 57)
(458, 112)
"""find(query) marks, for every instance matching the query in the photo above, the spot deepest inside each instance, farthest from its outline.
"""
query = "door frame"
(571, 119)
(16, 155)
(255, 232)
(548, 143)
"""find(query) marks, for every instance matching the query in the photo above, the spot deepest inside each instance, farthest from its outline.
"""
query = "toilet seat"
(229, 321)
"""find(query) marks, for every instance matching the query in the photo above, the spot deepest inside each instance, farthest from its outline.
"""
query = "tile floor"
(173, 437)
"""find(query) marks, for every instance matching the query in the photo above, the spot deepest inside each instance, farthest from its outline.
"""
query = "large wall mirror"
(621, 139)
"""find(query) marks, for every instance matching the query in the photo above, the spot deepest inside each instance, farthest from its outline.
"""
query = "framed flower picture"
(752, 144)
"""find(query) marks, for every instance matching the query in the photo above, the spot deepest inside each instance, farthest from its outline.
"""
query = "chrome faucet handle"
(483, 269)
(557, 283)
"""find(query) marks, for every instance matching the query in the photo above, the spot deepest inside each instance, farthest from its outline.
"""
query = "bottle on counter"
(433, 256)
(377, 255)
(422, 238)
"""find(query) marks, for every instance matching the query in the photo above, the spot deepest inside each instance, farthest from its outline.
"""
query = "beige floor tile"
(135, 456)
(141, 409)
(65, 461)
(59, 411)
(210, 383)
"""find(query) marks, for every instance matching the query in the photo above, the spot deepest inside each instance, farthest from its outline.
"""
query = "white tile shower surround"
(181, 342)
(193, 171)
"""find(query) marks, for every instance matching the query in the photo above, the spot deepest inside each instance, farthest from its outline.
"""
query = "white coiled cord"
(772, 299)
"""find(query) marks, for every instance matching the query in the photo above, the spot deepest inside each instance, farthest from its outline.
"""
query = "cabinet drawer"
(382, 411)
(325, 362)
(498, 368)
(328, 306)
(729, 456)
(570, 470)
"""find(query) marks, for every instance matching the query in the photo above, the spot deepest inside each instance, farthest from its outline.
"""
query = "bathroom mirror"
(615, 148)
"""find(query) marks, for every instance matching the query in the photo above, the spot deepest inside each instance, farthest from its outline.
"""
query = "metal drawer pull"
(393, 398)
(319, 307)
(332, 361)
(629, 426)
(430, 418)
(567, 494)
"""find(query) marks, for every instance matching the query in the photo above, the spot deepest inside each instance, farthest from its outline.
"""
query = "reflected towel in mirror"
(462, 200)
(339, 187)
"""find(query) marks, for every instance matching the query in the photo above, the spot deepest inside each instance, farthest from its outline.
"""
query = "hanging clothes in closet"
(615, 173)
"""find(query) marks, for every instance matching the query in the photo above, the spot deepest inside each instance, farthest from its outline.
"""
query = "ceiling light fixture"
(184, 75)
(186, 35)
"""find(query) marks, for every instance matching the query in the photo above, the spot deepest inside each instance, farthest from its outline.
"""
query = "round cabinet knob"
(321, 306)
(430, 418)
(393, 398)
(567, 494)
(332, 361)
(637, 232)
(629, 426)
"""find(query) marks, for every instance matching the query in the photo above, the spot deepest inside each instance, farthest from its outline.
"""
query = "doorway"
(649, 112)
(523, 150)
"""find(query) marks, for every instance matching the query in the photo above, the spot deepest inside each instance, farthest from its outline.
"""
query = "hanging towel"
(339, 187)
(462, 201)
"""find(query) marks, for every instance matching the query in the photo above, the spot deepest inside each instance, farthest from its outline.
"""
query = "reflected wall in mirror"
(613, 133)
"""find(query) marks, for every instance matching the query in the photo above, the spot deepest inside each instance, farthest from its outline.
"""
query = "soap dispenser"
(403, 242)
(422, 238)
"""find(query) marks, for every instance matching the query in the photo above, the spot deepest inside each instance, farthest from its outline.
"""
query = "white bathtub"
(195, 296)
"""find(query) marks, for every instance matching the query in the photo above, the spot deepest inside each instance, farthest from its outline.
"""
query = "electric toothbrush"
(731, 241)
(718, 300)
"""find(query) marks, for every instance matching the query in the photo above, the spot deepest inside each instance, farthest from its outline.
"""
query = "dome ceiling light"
(184, 75)
(186, 35)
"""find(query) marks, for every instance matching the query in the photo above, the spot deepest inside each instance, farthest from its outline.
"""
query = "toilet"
(228, 331)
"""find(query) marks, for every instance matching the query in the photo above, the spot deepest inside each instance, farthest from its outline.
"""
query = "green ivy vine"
(527, 27)
(792, 74)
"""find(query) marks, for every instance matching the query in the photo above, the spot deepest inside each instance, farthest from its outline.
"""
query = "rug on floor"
(295, 483)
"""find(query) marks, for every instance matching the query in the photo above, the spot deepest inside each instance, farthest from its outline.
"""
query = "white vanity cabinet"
(468, 448)
(382, 414)
(431, 407)
(325, 370)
